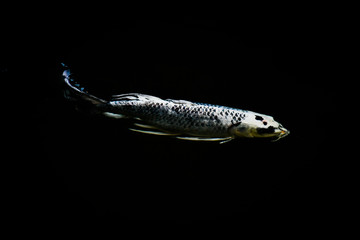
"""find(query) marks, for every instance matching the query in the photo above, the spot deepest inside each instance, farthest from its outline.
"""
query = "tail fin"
(74, 91)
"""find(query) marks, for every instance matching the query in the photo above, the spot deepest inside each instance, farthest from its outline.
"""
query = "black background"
(81, 166)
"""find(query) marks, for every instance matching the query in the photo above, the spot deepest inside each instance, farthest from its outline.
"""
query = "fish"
(182, 119)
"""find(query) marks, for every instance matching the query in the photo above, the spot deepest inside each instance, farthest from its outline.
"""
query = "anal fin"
(114, 115)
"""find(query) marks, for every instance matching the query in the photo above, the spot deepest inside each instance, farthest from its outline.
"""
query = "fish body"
(180, 118)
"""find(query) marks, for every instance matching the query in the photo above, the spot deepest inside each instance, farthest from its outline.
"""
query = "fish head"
(260, 126)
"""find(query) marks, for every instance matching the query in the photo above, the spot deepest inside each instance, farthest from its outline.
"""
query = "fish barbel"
(179, 118)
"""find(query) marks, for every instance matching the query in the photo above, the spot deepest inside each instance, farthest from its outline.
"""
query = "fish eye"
(264, 122)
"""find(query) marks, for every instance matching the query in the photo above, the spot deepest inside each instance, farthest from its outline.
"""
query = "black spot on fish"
(270, 129)
(237, 124)
(258, 118)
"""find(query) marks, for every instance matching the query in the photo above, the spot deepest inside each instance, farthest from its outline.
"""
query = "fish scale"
(194, 118)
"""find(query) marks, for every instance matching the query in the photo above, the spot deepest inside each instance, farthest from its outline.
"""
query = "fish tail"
(73, 91)
(84, 100)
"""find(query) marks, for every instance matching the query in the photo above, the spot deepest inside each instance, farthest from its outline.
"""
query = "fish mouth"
(283, 132)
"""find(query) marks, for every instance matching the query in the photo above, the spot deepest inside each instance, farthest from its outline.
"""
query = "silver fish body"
(180, 118)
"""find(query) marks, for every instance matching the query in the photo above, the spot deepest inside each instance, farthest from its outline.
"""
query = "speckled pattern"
(182, 116)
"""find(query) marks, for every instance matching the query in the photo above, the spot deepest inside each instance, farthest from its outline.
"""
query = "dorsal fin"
(135, 96)
(180, 102)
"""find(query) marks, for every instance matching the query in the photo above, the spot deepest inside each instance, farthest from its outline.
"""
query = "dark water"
(88, 166)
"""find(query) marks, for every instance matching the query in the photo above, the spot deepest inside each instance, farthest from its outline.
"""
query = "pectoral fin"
(149, 129)
(223, 140)
(145, 126)
(160, 133)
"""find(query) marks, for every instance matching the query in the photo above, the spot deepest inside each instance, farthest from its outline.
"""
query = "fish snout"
(283, 132)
